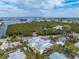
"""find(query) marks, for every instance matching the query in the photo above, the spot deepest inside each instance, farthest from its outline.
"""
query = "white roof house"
(2, 40)
(17, 55)
(57, 55)
(76, 57)
(61, 40)
(75, 35)
(61, 43)
(34, 34)
(39, 43)
(6, 45)
(77, 44)
(1, 23)
(58, 27)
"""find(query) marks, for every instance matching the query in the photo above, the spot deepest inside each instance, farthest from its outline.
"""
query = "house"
(76, 57)
(57, 55)
(2, 40)
(17, 55)
(6, 45)
(75, 35)
(61, 40)
(1, 24)
(39, 43)
(34, 34)
(58, 27)
(77, 44)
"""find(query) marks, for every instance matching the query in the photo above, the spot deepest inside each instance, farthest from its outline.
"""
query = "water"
(13, 20)
(17, 55)
(8, 22)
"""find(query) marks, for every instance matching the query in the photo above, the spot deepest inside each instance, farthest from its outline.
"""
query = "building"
(77, 44)
(1, 23)
(39, 43)
(6, 45)
(58, 27)
(57, 55)
(61, 40)
(17, 55)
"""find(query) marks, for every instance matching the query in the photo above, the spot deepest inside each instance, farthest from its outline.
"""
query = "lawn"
(42, 28)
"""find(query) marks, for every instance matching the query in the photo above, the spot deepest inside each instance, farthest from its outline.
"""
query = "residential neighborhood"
(39, 29)
(41, 40)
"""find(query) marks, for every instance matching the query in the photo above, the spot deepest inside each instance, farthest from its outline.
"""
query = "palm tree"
(30, 53)
(39, 56)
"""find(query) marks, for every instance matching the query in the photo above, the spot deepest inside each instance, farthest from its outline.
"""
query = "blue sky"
(39, 8)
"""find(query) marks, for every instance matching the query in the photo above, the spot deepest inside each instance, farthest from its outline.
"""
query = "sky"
(39, 8)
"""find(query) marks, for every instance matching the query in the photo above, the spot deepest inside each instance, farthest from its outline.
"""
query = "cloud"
(62, 12)
(11, 11)
(10, 1)
(70, 3)
(42, 4)
(7, 7)
(38, 8)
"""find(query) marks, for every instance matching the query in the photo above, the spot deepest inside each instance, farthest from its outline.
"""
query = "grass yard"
(42, 28)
